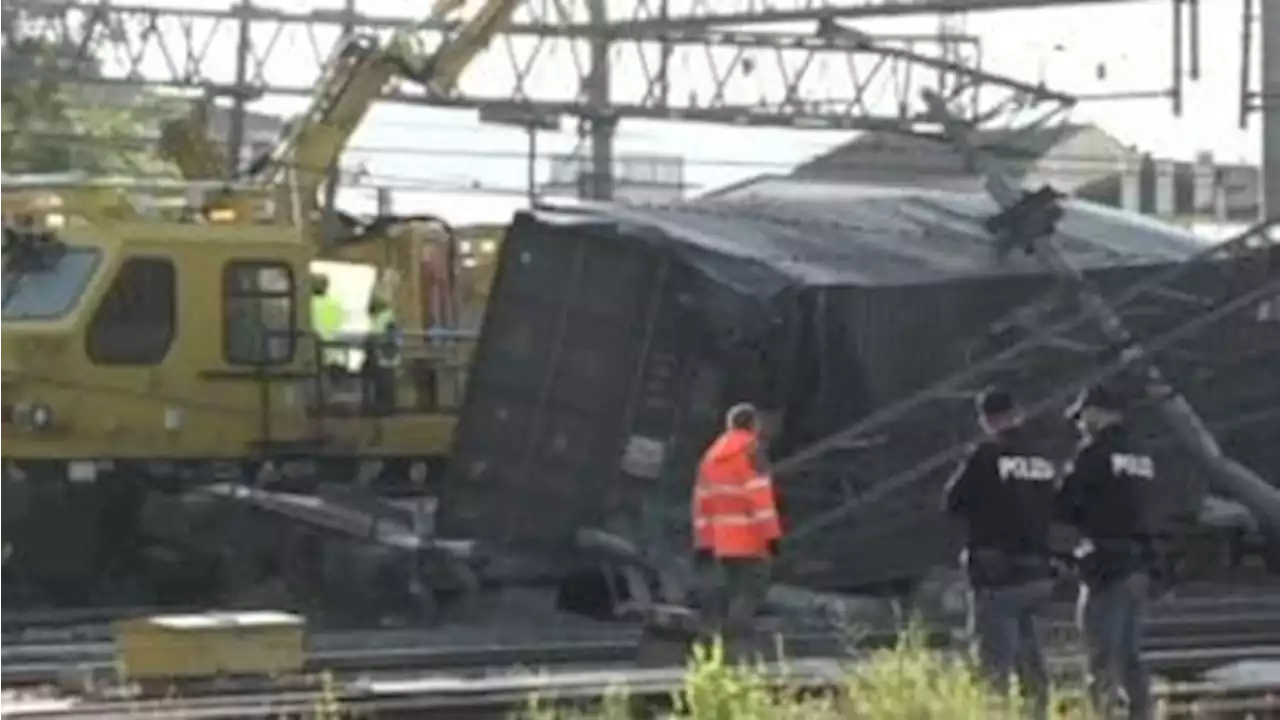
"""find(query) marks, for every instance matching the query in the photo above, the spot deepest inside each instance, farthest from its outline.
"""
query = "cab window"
(136, 321)
(48, 289)
(259, 313)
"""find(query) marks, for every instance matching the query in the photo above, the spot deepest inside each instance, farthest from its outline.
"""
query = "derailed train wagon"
(616, 337)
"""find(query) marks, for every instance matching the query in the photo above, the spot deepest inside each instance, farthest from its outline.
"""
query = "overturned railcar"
(616, 337)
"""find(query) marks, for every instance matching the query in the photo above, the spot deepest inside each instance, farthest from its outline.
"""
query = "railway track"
(30, 650)
(502, 695)
(1231, 637)
(468, 672)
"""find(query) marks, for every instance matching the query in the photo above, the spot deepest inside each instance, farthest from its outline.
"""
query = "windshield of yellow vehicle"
(47, 283)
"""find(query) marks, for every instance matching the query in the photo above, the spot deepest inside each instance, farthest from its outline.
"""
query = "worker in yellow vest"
(327, 320)
(381, 358)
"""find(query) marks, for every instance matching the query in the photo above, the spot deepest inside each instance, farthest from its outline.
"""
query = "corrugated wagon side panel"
(580, 389)
(556, 329)
(909, 338)
(903, 340)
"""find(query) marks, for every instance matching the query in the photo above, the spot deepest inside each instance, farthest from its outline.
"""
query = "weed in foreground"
(908, 681)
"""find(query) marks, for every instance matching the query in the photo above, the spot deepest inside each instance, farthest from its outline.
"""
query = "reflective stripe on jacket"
(734, 511)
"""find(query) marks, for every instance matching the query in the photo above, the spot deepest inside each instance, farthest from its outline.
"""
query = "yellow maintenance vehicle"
(158, 338)
(417, 259)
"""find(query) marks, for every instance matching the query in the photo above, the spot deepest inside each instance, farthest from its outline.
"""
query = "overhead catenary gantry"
(707, 13)
(751, 78)
(569, 58)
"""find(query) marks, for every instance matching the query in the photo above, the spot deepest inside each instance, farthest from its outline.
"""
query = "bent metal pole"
(1229, 476)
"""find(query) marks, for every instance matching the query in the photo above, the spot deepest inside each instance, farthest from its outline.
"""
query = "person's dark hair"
(1097, 397)
(742, 416)
(996, 402)
(319, 284)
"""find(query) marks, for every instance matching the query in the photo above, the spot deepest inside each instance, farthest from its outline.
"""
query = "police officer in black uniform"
(1004, 491)
(1104, 496)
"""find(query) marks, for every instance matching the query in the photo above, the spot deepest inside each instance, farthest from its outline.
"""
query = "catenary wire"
(1059, 164)
(369, 180)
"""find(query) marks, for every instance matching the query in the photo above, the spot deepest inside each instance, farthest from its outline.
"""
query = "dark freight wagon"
(616, 337)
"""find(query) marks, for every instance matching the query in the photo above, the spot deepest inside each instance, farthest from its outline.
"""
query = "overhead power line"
(910, 157)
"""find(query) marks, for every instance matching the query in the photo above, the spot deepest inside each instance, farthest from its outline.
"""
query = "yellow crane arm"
(353, 78)
(446, 66)
(358, 73)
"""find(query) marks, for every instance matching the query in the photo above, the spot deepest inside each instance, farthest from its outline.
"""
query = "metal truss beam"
(706, 13)
(543, 61)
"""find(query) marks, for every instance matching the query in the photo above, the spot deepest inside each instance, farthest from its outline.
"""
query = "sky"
(425, 152)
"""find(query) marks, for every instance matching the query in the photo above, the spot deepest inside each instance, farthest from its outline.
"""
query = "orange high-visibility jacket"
(734, 511)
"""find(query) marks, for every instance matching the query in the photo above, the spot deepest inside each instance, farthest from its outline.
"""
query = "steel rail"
(1162, 621)
(63, 661)
(1175, 612)
(28, 664)
(456, 697)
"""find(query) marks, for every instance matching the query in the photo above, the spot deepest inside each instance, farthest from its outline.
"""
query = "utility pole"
(239, 92)
(1269, 104)
(952, 26)
(600, 122)
(531, 121)
(1029, 220)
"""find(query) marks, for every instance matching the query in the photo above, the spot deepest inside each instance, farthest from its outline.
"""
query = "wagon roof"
(862, 235)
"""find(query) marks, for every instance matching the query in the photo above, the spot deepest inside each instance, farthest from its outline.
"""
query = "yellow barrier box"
(205, 645)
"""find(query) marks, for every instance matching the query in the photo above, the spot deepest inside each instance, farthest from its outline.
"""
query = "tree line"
(57, 119)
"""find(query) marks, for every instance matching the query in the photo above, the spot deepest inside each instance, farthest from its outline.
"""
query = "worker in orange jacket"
(735, 521)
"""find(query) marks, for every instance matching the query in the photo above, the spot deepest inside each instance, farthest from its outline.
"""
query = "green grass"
(905, 682)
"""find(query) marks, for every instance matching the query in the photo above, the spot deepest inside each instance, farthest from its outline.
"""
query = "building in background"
(1066, 156)
(1188, 193)
(1082, 160)
(636, 178)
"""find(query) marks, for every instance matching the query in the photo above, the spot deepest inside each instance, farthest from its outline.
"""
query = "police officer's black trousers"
(1005, 623)
(1110, 617)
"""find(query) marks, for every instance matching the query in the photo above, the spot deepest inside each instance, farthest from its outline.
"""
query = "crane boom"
(356, 75)
(445, 67)
(310, 147)
(353, 78)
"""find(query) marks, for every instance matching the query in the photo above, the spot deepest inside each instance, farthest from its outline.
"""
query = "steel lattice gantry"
(549, 61)
(706, 13)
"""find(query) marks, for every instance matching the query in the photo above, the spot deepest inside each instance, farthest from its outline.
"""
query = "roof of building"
(783, 231)
(886, 153)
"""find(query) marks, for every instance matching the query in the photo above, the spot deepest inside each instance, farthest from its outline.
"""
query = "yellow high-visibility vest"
(327, 319)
